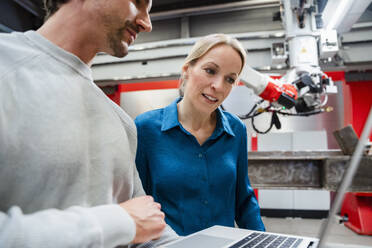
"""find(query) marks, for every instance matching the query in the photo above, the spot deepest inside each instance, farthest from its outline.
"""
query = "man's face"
(122, 21)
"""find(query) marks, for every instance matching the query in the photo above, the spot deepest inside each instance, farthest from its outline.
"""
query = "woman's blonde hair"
(203, 45)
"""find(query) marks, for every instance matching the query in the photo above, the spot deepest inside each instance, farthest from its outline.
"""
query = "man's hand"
(147, 216)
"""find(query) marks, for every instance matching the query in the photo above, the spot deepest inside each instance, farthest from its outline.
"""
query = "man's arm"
(136, 220)
(167, 236)
(147, 216)
(102, 226)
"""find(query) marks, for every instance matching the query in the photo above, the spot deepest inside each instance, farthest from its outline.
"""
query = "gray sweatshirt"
(66, 151)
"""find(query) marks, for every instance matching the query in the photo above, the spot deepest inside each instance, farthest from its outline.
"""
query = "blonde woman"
(192, 156)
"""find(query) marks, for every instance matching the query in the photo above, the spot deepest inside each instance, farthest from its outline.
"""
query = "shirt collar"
(223, 123)
(170, 120)
(170, 116)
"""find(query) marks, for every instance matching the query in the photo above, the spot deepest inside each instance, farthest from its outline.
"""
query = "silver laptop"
(228, 237)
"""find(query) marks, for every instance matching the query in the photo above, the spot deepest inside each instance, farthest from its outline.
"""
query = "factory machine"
(303, 90)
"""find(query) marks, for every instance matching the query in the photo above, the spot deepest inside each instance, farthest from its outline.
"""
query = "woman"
(192, 156)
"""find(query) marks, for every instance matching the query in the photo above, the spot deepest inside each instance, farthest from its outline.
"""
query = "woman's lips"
(210, 98)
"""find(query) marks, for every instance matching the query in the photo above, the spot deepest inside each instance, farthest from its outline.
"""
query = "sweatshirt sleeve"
(167, 237)
(101, 226)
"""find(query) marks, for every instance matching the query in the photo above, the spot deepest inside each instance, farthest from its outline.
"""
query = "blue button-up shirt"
(198, 186)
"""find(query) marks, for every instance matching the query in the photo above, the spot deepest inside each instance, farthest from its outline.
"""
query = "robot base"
(358, 208)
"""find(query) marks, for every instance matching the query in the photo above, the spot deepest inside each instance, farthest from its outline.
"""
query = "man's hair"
(51, 7)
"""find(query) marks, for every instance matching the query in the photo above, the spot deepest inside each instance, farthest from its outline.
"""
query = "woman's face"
(210, 80)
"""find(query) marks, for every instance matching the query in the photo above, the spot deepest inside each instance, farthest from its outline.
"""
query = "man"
(67, 172)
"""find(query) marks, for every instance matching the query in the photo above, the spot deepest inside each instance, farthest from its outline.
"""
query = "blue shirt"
(198, 186)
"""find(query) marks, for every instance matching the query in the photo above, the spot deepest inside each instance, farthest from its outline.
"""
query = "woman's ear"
(185, 67)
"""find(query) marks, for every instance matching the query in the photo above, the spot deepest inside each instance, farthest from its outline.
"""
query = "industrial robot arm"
(304, 86)
(302, 89)
(310, 36)
(270, 89)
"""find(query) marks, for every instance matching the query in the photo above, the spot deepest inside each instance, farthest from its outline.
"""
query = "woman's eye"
(230, 80)
(210, 71)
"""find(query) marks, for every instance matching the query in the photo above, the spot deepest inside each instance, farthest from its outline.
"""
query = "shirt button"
(205, 202)
(200, 155)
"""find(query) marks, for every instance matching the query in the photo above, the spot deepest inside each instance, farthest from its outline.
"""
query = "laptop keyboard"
(264, 240)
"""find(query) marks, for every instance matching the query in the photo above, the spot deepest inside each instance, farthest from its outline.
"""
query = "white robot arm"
(304, 89)
(304, 86)
(270, 89)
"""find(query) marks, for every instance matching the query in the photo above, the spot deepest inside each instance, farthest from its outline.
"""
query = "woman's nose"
(217, 83)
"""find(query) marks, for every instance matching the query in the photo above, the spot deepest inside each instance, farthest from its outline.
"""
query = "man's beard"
(116, 41)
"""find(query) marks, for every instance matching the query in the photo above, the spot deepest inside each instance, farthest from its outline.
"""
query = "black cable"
(274, 120)
(258, 131)
(301, 114)
(248, 115)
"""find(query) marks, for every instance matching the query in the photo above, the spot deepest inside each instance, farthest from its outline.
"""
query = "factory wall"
(350, 105)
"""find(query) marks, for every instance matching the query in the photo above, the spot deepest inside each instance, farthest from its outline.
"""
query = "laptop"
(228, 237)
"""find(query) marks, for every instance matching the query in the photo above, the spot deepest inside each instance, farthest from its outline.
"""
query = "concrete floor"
(310, 227)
